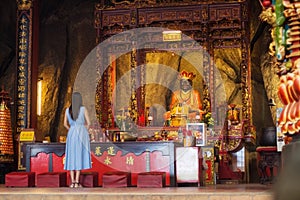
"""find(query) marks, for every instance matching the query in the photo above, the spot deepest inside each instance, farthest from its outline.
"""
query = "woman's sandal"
(77, 185)
(72, 185)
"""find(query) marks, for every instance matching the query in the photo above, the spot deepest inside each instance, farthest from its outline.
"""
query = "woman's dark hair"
(75, 106)
(70, 111)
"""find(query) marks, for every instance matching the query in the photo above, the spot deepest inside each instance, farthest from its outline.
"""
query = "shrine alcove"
(206, 29)
(141, 50)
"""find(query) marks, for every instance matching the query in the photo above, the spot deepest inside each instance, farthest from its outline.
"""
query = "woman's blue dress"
(77, 153)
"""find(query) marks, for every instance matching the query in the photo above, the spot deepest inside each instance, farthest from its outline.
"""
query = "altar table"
(130, 156)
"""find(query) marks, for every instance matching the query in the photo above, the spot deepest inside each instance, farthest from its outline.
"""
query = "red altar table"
(130, 156)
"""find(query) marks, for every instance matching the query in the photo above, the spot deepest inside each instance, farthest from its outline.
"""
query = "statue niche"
(161, 80)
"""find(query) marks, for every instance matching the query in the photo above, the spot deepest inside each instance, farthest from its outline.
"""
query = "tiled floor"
(216, 192)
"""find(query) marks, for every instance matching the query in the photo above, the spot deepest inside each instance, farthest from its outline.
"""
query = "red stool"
(151, 179)
(89, 179)
(51, 179)
(20, 179)
(116, 179)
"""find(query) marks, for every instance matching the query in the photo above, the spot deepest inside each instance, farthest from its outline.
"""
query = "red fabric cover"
(51, 179)
(20, 179)
(89, 179)
(151, 179)
(116, 179)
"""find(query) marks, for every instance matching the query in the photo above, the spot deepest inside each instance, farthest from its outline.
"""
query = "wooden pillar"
(27, 48)
(34, 66)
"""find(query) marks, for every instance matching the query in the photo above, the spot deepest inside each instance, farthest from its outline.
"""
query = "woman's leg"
(72, 178)
(77, 178)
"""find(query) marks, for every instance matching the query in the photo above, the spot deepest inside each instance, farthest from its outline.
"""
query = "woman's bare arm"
(66, 124)
(87, 119)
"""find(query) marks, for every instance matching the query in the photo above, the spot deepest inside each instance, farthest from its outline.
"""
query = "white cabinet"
(188, 168)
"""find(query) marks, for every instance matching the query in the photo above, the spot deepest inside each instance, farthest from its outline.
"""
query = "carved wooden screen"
(212, 24)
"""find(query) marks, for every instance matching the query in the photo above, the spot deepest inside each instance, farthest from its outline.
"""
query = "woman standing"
(77, 153)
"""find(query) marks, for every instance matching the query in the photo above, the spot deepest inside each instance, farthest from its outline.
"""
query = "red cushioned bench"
(20, 179)
(116, 179)
(51, 179)
(89, 179)
(151, 179)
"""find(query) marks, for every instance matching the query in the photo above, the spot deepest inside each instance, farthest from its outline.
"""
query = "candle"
(150, 118)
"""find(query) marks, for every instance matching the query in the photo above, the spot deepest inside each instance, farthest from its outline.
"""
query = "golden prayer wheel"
(6, 137)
